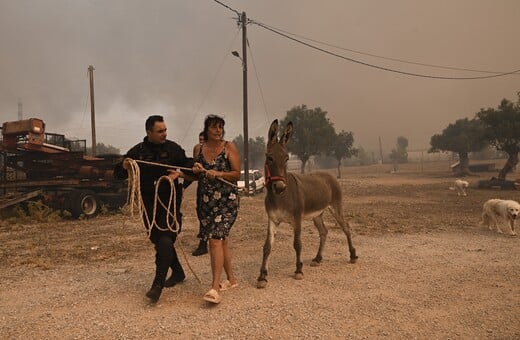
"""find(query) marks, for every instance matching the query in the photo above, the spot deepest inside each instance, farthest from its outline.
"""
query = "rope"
(181, 168)
(135, 202)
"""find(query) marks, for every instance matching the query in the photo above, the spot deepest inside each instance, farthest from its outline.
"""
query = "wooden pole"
(243, 20)
(92, 109)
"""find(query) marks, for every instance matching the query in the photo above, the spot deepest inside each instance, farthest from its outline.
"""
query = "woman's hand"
(213, 174)
(198, 168)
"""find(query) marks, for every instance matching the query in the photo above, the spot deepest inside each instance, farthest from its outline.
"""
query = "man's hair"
(150, 121)
(213, 120)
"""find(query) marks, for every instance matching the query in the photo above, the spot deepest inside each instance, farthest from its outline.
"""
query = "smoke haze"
(174, 58)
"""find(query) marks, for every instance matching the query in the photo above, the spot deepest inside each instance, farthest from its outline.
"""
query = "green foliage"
(502, 126)
(497, 127)
(256, 150)
(343, 146)
(502, 130)
(463, 136)
(313, 133)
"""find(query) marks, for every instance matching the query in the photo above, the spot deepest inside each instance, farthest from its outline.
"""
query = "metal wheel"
(84, 202)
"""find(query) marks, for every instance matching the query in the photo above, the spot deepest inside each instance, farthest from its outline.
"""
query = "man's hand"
(126, 163)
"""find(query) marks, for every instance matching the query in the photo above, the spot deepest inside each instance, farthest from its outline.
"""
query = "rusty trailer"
(49, 167)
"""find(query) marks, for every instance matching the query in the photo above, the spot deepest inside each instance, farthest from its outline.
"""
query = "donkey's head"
(276, 157)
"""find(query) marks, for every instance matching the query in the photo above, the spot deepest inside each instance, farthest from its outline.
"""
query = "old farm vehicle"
(47, 166)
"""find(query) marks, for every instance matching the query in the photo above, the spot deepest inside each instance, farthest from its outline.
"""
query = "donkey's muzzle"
(279, 187)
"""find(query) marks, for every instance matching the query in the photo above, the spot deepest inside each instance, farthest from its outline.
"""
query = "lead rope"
(135, 202)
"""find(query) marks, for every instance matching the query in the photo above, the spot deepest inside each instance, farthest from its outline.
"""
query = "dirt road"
(425, 270)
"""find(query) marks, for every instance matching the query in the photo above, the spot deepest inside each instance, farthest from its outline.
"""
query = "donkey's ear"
(287, 133)
(273, 132)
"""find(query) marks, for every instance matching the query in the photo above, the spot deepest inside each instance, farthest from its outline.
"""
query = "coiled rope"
(136, 204)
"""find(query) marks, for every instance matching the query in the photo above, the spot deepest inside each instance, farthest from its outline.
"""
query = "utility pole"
(243, 20)
(380, 149)
(92, 109)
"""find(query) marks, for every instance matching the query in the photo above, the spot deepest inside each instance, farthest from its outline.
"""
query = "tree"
(462, 137)
(502, 130)
(399, 154)
(343, 148)
(313, 133)
(256, 148)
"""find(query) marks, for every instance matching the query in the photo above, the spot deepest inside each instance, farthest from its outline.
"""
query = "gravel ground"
(425, 270)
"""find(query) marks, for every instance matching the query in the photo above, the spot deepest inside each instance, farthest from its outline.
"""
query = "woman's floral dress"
(219, 201)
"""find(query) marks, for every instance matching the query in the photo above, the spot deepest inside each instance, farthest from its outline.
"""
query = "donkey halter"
(269, 178)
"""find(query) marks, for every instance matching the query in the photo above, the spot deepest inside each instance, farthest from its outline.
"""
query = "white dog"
(497, 212)
(460, 186)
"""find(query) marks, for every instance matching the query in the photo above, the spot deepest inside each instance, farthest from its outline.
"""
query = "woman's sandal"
(212, 296)
(225, 285)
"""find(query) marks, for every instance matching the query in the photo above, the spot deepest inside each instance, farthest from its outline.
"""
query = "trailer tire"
(84, 202)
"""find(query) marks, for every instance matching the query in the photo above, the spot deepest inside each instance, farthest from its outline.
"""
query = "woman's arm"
(233, 174)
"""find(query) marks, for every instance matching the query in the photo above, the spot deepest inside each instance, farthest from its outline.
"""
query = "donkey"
(291, 197)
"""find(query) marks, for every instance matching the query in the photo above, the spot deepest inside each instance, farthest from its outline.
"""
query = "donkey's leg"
(297, 243)
(337, 212)
(322, 230)
(269, 240)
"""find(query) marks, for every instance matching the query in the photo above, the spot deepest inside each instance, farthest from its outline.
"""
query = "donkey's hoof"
(298, 276)
(315, 263)
(261, 284)
(353, 259)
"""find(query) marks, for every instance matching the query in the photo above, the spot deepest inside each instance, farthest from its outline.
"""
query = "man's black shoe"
(201, 249)
(154, 293)
(173, 280)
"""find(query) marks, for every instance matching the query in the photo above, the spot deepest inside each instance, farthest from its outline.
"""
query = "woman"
(218, 161)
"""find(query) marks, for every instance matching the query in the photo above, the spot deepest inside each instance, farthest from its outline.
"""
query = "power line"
(258, 82)
(382, 57)
(197, 112)
(376, 66)
(231, 9)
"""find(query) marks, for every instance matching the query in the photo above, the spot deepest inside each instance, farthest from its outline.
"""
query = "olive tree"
(502, 130)
(462, 137)
(313, 133)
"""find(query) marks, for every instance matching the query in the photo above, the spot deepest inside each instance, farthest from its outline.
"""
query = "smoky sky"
(174, 58)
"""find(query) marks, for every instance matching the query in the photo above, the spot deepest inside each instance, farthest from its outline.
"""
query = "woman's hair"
(213, 120)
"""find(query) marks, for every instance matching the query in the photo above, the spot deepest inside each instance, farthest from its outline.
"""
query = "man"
(203, 244)
(156, 148)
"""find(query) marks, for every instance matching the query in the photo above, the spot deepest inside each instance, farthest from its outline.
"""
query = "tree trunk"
(463, 164)
(512, 161)
(339, 168)
(304, 162)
